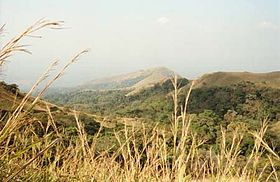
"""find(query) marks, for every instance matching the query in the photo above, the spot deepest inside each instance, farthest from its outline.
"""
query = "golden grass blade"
(14, 44)
(31, 160)
(73, 60)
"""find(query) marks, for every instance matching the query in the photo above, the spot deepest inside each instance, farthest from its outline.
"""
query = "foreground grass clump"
(140, 154)
(35, 150)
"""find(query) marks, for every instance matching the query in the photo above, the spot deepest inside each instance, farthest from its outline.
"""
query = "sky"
(191, 37)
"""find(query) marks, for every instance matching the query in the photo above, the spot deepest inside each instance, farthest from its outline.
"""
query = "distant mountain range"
(134, 81)
(138, 80)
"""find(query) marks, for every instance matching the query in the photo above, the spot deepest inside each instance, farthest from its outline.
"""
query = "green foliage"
(206, 126)
(245, 98)
(153, 104)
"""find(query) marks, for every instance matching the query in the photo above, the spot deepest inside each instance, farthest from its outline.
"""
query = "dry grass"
(14, 44)
(141, 154)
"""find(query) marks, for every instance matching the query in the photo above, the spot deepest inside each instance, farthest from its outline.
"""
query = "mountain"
(271, 80)
(134, 81)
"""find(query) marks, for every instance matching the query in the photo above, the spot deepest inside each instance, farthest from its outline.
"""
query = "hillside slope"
(134, 81)
(153, 103)
(271, 80)
(11, 98)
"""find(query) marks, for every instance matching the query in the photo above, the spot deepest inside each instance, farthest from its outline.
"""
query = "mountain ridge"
(269, 79)
(134, 81)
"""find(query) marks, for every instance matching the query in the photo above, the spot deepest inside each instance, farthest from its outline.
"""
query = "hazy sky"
(189, 36)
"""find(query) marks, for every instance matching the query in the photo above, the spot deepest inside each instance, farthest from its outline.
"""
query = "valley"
(227, 100)
(219, 102)
(234, 103)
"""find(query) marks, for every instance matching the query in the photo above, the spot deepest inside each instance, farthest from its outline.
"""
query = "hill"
(219, 92)
(134, 81)
(11, 97)
(228, 105)
(152, 103)
(271, 80)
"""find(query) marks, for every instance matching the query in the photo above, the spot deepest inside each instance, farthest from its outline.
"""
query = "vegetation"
(243, 104)
(152, 103)
(211, 134)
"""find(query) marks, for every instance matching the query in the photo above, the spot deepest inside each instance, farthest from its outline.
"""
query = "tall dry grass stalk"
(146, 155)
(20, 117)
(14, 44)
(6, 51)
